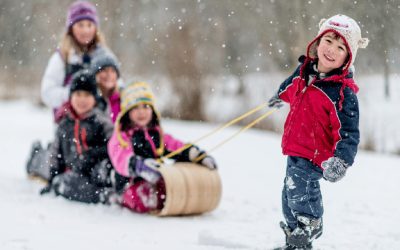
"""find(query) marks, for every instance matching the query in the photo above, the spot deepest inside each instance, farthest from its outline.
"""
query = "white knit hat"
(346, 28)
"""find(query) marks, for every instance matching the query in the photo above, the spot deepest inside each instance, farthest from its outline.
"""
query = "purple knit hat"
(80, 10)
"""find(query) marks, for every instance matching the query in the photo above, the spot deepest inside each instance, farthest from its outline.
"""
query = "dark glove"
(275, 102)
(145, 168)
(100, 174)
(46, 189)
(208, 161)
(334, 169)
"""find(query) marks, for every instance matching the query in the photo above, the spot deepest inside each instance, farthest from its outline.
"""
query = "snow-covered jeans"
(301, 193)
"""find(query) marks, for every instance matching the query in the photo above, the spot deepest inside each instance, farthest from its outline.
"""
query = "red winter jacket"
(323, 117)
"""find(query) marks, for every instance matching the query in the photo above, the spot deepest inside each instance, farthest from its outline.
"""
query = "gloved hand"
(145, 168)
(46, 189)
(100, 174)
(208, 161)
(334, 169)
(275, 102)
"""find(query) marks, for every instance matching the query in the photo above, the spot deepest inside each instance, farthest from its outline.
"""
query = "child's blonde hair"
(68, 42)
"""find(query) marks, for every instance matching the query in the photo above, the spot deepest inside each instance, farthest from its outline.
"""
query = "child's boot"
(307, 230)
(287, 231)
(37, 165)
(289, 247)
(109, 196)
(35, 149)
(141, 197)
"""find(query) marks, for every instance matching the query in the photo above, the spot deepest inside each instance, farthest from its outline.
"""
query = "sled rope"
(251, 124)
(224, 126)
(230, 123)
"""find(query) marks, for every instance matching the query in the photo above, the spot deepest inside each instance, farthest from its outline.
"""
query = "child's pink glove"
(334, 169)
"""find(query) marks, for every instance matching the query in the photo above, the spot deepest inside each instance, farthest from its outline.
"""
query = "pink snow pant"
(143, 197)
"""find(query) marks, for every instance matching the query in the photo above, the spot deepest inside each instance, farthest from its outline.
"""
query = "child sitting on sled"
(321, 131)
(136, 144)
(79, 167)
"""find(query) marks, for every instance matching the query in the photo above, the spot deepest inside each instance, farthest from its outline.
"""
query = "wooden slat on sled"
(190, 189)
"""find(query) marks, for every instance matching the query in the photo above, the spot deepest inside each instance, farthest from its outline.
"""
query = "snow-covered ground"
(361, 211)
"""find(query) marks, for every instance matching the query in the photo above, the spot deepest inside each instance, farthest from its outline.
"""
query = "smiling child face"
(84, 32)
(141, 115)
(332, 52)
(82, 101)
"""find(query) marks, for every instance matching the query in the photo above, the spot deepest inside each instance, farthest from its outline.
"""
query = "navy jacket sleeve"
(346, 148)
(286, 84)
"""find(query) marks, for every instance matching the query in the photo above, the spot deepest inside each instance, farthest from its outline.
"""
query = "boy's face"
(107, 78)
(141, 115)
(84, 31)
(82, 101)
(332, 52)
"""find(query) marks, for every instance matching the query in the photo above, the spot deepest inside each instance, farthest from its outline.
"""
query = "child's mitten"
(275, 102)
(334, 169)
(208, 161)
(145, 168)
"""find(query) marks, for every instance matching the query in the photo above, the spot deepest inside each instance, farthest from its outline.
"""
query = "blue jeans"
(301, 193)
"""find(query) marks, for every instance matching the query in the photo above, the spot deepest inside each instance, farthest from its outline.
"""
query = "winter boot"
(307, 230)
(109, 196)
(101, 174)
(289, 247)
(36, 148)
(287, 231)
(142, 197)
(37, 166)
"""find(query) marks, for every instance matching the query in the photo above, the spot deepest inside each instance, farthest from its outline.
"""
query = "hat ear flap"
(117, 125)
(363, 43)
(321, 22)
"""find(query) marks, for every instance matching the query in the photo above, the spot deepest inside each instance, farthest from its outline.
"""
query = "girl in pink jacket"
(137, 142)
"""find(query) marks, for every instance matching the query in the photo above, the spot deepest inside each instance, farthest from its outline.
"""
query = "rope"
(230, 123)
(202, 156)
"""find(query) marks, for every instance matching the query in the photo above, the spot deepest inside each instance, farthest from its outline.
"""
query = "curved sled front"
(190, 189)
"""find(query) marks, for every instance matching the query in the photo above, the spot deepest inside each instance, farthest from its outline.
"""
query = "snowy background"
(212, 60)
(361, 211)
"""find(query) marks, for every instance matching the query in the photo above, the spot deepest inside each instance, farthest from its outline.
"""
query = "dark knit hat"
(80, 10)
(104, 60)
(84, 80)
